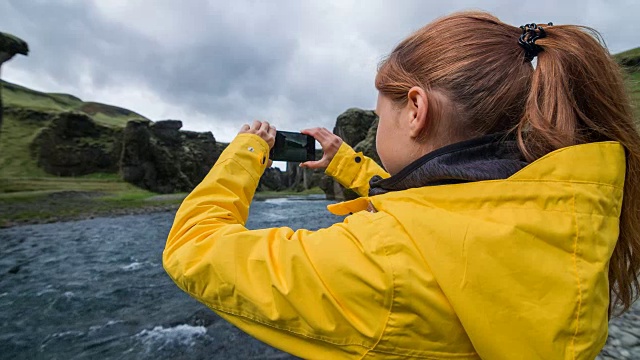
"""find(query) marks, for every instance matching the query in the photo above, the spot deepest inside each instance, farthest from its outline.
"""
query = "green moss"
(129, 196)
(19, 130)
(278, 194)
(633, 53)
(53, 183)
(15, 155)
(102, 176)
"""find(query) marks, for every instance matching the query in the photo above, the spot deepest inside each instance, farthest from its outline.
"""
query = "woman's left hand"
(261, 128)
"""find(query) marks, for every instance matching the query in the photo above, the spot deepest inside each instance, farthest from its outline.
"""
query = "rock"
(161, 158)
(624, 336)
(157, 156)
(353, 125)
(625, 353)
(631, 62)
(31, 116)
(10, 45)
(629, 340)
(72, 144)
(273, 179)
(357, 128)
(300, 179)
(312, 178)
(167, 131)
(295, 176)
(368, 144)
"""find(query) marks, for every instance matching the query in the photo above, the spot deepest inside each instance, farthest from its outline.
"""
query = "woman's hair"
(473, 65)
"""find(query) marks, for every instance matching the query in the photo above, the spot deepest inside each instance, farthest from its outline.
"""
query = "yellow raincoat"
(502, 269)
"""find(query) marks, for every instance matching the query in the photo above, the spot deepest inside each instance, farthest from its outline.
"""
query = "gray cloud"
(219, 64)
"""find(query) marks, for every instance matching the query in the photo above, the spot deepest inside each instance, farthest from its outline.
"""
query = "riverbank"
(101, 199)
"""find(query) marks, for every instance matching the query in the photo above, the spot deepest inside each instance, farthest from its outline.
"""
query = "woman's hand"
(262, 129)
(330, 143)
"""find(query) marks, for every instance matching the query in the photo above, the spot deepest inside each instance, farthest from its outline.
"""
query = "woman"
(501, 227)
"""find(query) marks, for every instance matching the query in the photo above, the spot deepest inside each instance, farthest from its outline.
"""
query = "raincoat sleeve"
(353, 170)
(323, 294)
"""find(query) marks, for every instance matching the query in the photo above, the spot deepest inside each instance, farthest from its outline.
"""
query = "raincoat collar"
(491, 157)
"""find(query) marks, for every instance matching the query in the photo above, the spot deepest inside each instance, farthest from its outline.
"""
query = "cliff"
(357, 128)
(50, 134)
(9, 46)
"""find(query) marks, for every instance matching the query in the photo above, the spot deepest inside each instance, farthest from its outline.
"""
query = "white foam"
(109, 323)
(64, 334)
(46, 290)
(133, 266)
(160, 337)
(67, 333)
(277, 201)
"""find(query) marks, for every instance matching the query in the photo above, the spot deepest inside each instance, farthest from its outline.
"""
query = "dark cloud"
(219, 64)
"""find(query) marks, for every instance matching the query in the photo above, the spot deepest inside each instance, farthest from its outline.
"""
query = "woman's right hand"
(330, 143)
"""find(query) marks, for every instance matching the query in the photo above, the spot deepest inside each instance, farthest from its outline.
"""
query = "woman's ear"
(417, 109)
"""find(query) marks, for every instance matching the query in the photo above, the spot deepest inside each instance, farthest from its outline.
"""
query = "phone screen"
(293, 146)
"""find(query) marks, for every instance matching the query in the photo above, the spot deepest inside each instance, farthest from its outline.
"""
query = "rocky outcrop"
(155, 156)
(9, 47)
(368, 144)
(12, 45)
(161, 158)
(357, 128)
(293, 178)
(353, 125)
(273, 179)
(632, 63)
(72, 144)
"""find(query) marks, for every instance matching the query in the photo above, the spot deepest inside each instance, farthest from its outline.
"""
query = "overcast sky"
(218, 64)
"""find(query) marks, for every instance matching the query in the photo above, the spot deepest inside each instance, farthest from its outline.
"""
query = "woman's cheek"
(381, 148)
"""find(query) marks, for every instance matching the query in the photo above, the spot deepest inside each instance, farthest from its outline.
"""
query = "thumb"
(313, 164)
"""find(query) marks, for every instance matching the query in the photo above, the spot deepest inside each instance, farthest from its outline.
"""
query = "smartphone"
(294, 147)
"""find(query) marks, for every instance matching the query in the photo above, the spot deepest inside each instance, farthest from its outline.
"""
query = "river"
(96, 289)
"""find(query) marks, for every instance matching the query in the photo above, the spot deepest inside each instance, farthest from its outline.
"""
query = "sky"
(216, 65)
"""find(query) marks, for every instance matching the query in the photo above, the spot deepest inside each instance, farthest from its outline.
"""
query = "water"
(96, 289)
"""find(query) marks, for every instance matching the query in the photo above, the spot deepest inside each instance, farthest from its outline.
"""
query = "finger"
(322, 163)
(312, 165)
(325, 136)
(310, 131)
(256, 125)
(272, 131)
(328, 135)
(316, 133)
(245, 128)
(264, 126)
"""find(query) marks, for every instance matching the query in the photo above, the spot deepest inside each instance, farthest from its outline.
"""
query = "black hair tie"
(531, 33)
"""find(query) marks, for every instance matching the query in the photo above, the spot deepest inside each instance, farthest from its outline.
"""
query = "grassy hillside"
(19, 96)
(22, 122)
(633, 75)
(29, 194)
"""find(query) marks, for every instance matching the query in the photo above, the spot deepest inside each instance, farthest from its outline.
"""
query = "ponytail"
(578, 96)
